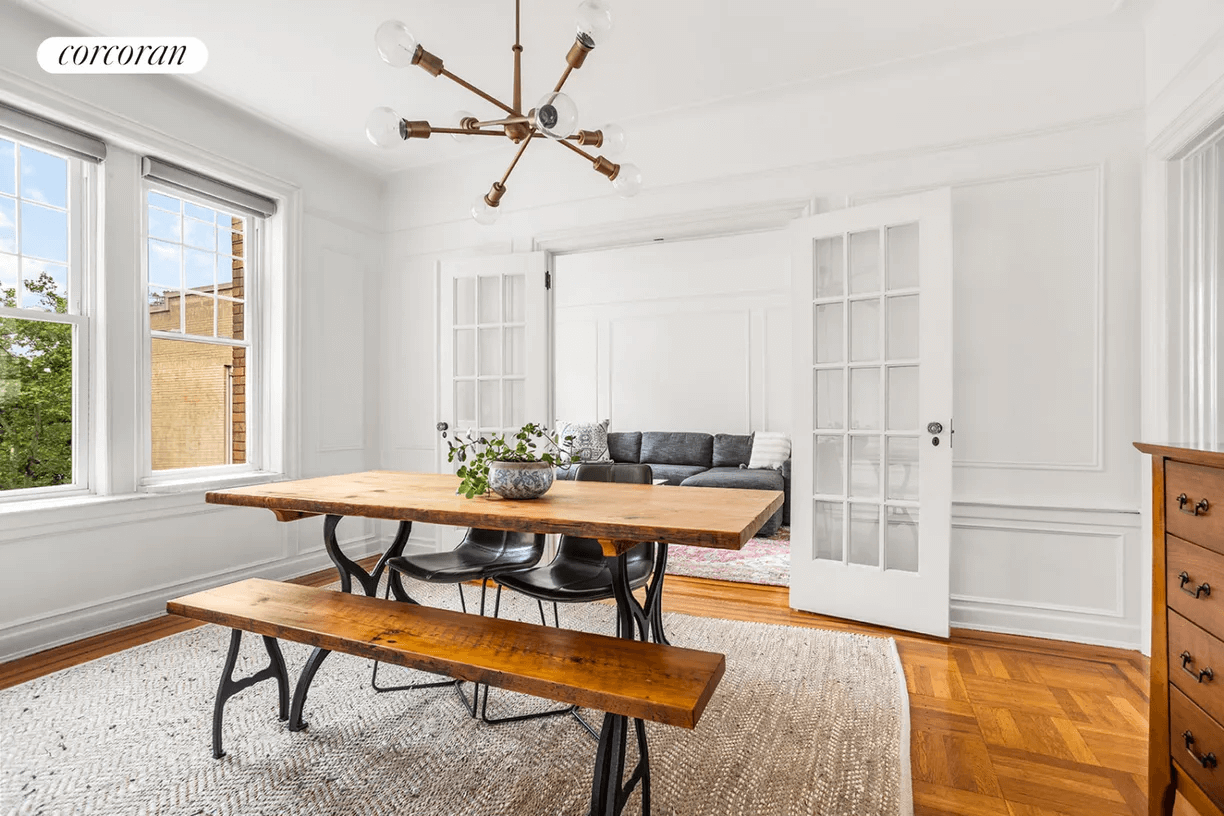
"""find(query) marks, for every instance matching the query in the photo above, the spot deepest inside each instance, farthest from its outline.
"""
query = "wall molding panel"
(1096, 432)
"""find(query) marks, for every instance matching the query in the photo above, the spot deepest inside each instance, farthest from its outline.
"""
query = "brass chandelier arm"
(462, 132)
(517, 102)
(509, 120)
(522, 149)
(491, 99)
(579, 151)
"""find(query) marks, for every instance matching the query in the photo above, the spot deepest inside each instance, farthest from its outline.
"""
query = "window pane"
(8, 167)
(828, 398)
(201, 314)
(864, 330)
(903, 256)
(44, 177)
(35, 403)
(827, 333)
(45, 286)
(44, 232)
(229, 276)
(830, 268)
(198, 267)
(229, 240)
(8, 280)
(165, 265)
(165, 309)
(165, 202)
(865, 535)
(164, 225)
(200, 234)
(229, 319)
(865, 262)
(199, 213)
(198, 405)
(8, 225)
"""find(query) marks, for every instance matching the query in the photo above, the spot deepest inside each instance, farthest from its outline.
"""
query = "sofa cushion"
(732, 450)
(625, 446)
(672, 448)
(741, 478)
(674, 474)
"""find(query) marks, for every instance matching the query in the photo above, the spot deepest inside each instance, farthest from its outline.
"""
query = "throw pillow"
(769, 450)
(590, 442)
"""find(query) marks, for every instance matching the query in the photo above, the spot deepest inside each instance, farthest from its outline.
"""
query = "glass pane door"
(488, 337)
(865, 398)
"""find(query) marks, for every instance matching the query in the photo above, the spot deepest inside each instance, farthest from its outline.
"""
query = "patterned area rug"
(761, 561)
(805, 722)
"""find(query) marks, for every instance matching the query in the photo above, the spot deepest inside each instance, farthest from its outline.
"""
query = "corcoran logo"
(122, 55)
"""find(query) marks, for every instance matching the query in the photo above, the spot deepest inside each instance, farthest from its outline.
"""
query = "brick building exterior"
(199, 389)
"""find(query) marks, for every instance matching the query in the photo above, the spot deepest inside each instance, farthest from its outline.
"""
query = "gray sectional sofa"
(700, 460)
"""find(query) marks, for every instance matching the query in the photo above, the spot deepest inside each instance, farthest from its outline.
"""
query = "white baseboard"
(1014, 619)
(29, 636)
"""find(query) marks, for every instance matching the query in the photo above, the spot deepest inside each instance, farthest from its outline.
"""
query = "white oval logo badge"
(122, 55)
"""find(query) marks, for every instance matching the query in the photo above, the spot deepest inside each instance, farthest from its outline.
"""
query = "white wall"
(1041, 138)
(70, 572)
(676, 336)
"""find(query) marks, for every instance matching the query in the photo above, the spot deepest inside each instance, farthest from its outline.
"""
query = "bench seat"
(645, 681)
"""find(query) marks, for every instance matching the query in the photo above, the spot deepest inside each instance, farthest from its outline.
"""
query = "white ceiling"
(310, 65)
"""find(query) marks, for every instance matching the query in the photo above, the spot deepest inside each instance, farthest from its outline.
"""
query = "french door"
(493, 348)
(872, 483)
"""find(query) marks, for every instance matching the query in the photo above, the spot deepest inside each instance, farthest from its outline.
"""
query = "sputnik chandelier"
(555, 116)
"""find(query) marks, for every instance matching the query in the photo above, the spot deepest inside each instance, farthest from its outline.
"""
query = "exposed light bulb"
(556, 116)
(628, 181)
(395, 43)
(459, 117)
(594, 22)
(383, 127)
(483, 213)
(614, 140)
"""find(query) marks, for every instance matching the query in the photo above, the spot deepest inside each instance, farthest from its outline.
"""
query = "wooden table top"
(618, 515)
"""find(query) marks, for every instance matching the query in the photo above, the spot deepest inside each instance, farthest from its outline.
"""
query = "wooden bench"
(626, 679)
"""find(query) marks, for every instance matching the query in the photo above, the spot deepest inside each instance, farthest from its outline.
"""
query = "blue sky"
(43, 216)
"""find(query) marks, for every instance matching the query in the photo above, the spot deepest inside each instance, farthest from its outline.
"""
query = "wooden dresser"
(1186, 742)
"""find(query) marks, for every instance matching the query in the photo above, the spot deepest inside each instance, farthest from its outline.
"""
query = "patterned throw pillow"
(590, 441)
(769, 450)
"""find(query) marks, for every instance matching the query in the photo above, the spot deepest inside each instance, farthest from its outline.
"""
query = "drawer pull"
(1207, 760)
(1194, 510)
(1201, 674)
(1201, 589)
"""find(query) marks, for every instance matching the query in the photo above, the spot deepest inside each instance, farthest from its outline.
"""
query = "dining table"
(619, 516)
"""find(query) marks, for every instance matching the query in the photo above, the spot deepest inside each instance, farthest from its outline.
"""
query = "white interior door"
(872, 482)
(493, 347)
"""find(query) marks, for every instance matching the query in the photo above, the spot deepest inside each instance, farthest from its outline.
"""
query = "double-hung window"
(45, 262)
(202, 285)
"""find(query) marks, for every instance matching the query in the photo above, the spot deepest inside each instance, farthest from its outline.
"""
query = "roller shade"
(81, 145)
(220, 192)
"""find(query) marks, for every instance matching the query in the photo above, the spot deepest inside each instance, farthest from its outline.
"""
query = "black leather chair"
(483, 554)
(579, 573)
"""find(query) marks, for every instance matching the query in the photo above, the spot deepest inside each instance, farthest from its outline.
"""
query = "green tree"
(35, 392)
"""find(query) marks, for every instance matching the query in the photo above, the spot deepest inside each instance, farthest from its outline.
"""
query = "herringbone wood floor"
(1001, 725)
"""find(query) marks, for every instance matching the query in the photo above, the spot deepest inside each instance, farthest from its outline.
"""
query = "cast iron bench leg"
(229, 686)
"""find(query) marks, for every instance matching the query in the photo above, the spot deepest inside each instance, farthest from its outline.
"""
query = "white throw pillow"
(590, 441)
(769, 450)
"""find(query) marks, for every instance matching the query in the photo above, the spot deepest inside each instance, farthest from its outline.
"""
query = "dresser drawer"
(1190, 519)
(1195, 583)
(1196, 665)
(1197, 744)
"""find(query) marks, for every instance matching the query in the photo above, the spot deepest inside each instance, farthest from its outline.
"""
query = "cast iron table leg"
(608, 790)
(348, 569)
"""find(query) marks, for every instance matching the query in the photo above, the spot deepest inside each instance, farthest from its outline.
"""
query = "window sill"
(195, 484)
(67, 514)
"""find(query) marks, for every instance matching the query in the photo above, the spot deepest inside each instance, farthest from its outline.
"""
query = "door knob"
(934, 428)
(442, 426)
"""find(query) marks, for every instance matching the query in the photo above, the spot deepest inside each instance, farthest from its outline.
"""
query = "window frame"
(255, 312)
(83, 267)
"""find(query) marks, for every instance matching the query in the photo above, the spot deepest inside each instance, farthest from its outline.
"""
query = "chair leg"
(555, 712)
(412, 686)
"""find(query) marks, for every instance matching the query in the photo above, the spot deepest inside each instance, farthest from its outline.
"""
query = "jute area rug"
(805, 721)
